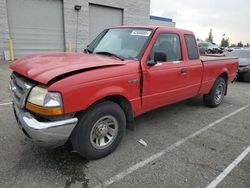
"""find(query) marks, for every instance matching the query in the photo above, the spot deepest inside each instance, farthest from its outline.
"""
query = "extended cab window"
(191, 47)
(169, 44)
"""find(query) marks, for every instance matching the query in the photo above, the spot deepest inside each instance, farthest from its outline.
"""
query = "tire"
(215, 97)
(246, 77)
(99, 130)
(239, 77)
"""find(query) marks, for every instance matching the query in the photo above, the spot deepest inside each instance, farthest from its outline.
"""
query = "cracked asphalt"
(195, 163)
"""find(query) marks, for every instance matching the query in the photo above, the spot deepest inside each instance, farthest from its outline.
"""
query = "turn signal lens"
(47, 111)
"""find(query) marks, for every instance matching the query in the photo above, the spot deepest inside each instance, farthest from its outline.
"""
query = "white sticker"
(141, 33)
(176, 62)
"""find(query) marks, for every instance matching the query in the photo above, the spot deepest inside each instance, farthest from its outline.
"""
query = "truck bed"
(214, 66)
(215, 58)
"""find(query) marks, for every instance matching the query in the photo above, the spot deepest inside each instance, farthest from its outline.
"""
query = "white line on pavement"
(146, 161)
(5, 104)
(220, 177)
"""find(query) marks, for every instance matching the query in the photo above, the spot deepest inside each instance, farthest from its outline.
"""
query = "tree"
(210, 36)
(247, 45)
(225, 42)
(240, 44)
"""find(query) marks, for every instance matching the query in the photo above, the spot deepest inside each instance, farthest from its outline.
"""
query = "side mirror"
(158, 57)
(151, 62)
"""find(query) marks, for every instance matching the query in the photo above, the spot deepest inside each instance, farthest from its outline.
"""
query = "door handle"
(184, 71)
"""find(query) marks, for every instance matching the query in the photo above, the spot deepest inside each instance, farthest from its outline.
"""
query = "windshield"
(123, 42)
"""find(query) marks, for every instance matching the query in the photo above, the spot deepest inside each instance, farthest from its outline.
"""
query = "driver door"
(166, 81)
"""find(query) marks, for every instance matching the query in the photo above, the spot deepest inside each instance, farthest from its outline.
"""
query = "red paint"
(108, 76)
(45, 67)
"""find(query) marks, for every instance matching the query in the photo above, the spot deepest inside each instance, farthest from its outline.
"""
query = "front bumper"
(244, 69)
(51, 134)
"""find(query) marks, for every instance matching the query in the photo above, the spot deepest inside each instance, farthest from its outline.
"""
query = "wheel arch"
(122, 101)
(224, 75)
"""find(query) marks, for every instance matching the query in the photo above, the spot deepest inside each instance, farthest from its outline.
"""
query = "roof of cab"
(154, 27)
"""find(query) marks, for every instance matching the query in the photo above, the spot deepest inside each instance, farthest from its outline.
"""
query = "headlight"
(43, 102)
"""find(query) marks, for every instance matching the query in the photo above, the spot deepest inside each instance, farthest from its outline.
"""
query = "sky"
(229, 17)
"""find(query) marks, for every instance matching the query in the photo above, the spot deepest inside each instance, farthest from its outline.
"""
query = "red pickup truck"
(89, 98)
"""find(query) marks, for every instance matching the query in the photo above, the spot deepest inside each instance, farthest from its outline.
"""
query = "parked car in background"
(244, 63)
(213, 49)
(203, 47)
(209, 48)
(228, 49)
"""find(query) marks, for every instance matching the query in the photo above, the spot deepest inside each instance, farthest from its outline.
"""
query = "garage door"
(36, 25)
(102, 17)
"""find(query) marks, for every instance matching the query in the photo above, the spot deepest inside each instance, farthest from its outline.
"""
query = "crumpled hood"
(244, 62)
(44, 67)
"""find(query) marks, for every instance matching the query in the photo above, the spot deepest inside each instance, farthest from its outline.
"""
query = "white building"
(162, 21)
(49, 25)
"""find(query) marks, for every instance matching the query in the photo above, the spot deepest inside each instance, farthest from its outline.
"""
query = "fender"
(212, 70)
(78, 97)
(135, 103)
(86, 99)
(104, 93)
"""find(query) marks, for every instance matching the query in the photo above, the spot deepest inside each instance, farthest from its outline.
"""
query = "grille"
(19, 88)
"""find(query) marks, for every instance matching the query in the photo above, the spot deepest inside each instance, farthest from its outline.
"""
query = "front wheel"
(215, 97)
(99, 130)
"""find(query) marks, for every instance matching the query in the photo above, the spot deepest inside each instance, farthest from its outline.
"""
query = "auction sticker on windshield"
(141, 33)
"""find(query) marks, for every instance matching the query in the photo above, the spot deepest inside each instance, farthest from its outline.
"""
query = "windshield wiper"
(111, 54)
(88, 51)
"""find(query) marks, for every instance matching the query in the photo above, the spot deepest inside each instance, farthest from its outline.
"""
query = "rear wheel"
(215, 97)
(99, 130)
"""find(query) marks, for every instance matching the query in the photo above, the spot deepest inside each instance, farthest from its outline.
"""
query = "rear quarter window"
(191, 47)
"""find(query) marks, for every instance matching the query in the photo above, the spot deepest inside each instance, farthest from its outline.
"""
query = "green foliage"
(210, 36)
(224, 42)
(240, 44)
